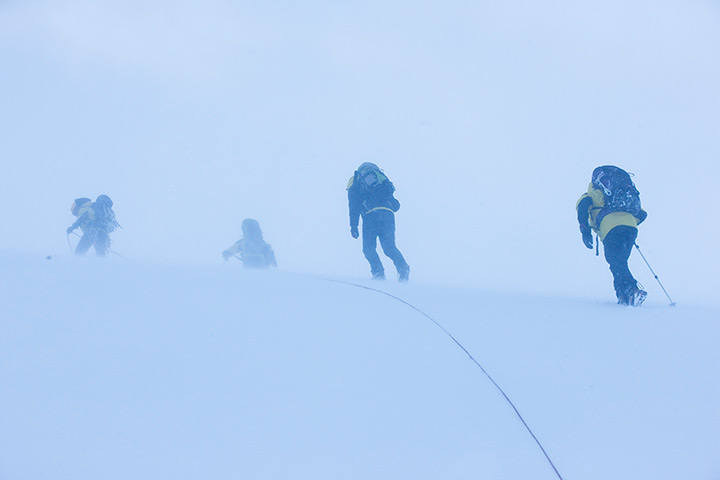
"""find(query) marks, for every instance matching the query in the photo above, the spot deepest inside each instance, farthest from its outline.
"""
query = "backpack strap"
(378, 208)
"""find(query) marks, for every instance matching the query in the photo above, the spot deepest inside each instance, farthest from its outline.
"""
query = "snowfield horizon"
(114, 369)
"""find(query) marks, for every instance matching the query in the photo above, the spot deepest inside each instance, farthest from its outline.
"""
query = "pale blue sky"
(488, 116)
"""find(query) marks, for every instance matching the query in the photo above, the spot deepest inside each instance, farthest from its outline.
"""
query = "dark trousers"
(96, 238)
(380, 224)
(617, 245)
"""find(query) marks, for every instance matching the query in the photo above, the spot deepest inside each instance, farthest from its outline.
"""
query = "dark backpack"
(104, 214)
(371, 179)
(618, 189)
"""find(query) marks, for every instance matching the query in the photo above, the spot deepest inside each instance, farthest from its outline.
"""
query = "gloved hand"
(354, 232)
(641, 217)
(70, 229)
(586, 236)
(226, 254)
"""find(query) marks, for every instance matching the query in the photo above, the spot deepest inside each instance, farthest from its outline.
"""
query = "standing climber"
(611, 208)
(96, 220)
(371, 195)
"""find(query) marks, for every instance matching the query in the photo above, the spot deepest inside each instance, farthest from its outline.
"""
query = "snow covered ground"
(135, 370)
(489, 117)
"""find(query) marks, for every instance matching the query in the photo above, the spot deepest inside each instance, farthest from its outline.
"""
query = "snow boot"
(404, 275)
(632, 296)
(637, 297)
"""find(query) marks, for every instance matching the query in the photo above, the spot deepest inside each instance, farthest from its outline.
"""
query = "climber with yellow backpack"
(611, 208)
(96, 220)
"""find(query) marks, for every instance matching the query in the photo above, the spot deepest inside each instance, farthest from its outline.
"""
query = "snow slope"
(117, 370)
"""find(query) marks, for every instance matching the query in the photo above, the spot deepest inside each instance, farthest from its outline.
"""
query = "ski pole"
(115, 253)
(110, 250)
(672, 304)
(70, 244)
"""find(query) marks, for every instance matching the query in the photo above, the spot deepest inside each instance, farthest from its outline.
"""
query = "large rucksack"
(618, 189)
(369, 176)
(78, 204)
(372, 180)
(104, 214)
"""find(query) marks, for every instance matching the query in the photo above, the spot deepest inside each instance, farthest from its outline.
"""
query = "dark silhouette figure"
(253, 250)
(611, 208)
(371, 196)
(96, 220)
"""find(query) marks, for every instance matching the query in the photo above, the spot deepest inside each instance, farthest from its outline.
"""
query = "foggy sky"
(487, 116)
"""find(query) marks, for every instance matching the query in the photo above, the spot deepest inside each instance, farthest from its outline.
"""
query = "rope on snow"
(492, 380)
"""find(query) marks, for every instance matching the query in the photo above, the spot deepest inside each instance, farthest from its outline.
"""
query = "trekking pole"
(115, 253)
(110, 250)
(227, 259)
(68, 238)
(672, 304)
